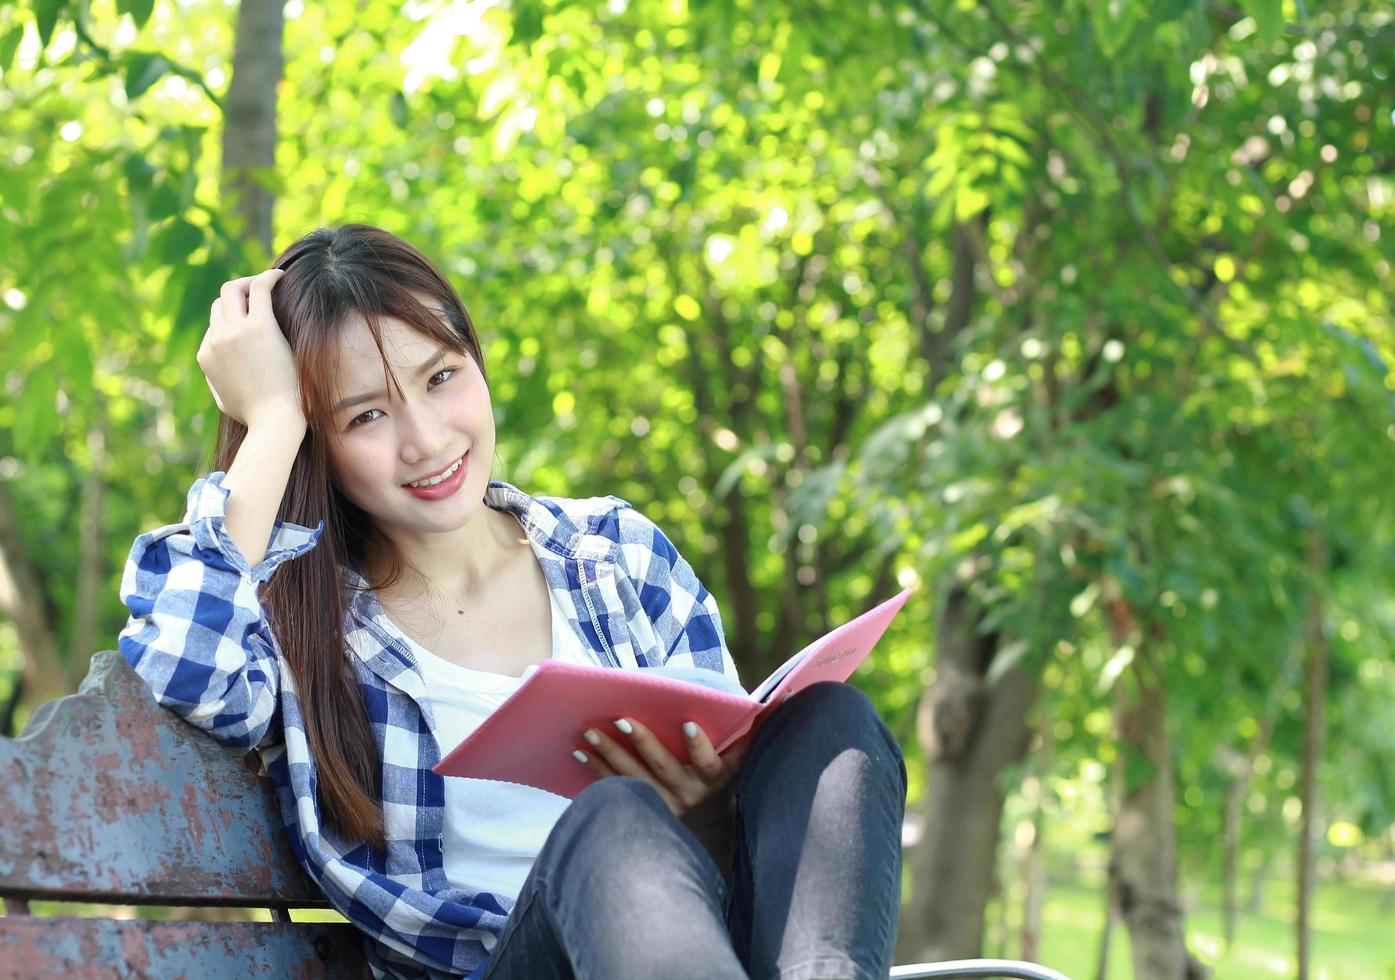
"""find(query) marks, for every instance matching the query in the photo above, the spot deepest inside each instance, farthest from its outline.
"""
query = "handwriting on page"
(833, 658)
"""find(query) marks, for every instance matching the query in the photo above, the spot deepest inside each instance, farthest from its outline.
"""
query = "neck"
(460, 562)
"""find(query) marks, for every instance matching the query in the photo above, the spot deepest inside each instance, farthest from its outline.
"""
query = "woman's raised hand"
(245, 357)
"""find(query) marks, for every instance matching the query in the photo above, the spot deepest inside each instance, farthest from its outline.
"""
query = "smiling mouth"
(440, 477)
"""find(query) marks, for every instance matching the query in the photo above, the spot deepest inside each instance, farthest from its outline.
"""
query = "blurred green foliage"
(1071, 304)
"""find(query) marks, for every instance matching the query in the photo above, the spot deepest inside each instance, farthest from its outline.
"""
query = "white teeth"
(437, 479)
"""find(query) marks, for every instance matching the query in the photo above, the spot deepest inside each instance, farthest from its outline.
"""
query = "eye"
(440, 377)
(368, 416)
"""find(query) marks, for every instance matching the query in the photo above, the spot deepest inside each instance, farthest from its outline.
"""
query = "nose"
(421, 434)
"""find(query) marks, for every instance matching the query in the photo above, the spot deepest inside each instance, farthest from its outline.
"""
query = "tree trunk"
(1315, 693)
(1143, 846)
(969, 732)
(1257, 883)
(22, 601)
(87, 600)
(9, 708)
(249, 125)
(1242, 780)
(1033, 858)
(1230, 842)
(743, 636)
(1106, 935)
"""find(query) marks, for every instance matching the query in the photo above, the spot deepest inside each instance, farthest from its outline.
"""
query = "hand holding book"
(631, 749)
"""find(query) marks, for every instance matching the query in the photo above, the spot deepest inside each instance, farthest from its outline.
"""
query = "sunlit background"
(1074, 315)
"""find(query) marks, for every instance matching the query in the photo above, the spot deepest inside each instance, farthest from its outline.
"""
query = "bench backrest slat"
(106, 796)
(78, 947)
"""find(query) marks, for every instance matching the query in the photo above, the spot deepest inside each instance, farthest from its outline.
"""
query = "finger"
(661, 761)
(624, 764)
(215, 314)
(234, 296)
(706, 761)
(593, 762)
(600, 745)
(734, 758)
(259, 292)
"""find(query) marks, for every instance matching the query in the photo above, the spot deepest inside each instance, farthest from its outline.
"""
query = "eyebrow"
(368, 396)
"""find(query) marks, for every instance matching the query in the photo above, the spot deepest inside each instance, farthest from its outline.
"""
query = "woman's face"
(416, 461)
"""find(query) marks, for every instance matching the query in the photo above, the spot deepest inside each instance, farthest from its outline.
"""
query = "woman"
(350, 594)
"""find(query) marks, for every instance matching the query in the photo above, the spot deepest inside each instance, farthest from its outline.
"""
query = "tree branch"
(22, 601)
(1081, 107)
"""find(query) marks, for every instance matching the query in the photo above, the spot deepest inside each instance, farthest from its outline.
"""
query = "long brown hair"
(332, 274)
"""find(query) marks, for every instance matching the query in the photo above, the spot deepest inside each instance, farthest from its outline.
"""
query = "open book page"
(833, 656)
(854, 639)
(762, 691)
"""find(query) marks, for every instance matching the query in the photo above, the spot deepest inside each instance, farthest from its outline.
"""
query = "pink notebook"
(530, 737)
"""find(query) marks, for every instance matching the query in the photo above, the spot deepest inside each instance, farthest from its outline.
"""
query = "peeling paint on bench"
(108, 797)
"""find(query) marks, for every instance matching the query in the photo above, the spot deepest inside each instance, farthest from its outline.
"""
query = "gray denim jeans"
(623, 891)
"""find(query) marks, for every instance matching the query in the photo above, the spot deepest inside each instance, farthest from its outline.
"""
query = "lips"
(447, 481)
(430, 476)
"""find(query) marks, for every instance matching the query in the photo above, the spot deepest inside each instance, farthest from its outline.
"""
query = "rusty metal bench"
(108, 798)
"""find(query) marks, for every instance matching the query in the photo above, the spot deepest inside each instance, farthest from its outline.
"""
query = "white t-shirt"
(493, 830)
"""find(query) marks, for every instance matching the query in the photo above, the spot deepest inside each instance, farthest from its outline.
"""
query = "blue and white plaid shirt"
(198, 636)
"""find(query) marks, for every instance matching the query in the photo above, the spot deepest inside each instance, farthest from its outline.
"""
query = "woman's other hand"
(682, 786)
(245, 357)
(698, 792)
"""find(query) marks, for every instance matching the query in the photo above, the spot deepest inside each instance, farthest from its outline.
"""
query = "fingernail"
(625, 726)
(593, 736)
(581, 757)
(690, 729)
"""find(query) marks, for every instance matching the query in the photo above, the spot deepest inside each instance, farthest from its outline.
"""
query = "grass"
(1352, 935)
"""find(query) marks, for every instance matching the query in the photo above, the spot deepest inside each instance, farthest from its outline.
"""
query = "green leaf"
(138, 9)
(527, 22)
(46, 16)
(144, 69)
(177, 241)
(139, 173)
(9, 44)
(792, 64)
(164, 200)
(36, 413)
(73, 359)
(1114, 22)
(1165, 11)
(1269, 18)
(201, 287)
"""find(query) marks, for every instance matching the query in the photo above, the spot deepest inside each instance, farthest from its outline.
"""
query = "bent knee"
(839, 707)
(619, 808)
(835, 696)
(618, 800)
(843, 714)
(620, 828)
